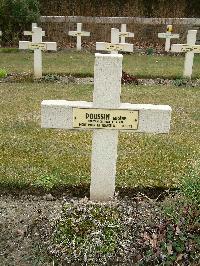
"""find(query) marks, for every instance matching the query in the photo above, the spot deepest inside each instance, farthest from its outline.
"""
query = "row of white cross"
(114, 46)
(121, 35)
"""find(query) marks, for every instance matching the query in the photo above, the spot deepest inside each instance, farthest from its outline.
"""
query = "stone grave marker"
(37, 45)
(79, 34)
(114, 47)
(190, 49)
(168, 36)
(106, 115)
(30, 33)
(124, 34)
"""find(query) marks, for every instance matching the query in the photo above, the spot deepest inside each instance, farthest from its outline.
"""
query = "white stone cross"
(78, 34)
(124, 34)
(30, 33)
(168, 36)
(114, 46)
(190, 49)
(38, 46)
(105, 116)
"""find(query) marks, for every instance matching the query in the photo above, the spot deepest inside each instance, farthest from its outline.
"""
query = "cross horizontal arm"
(126, 34)
(168, 35)
(179, 48)
(59, 114)
(76, 33)
(123, 47)
(24, 45)
(50, 46)
(29, 33)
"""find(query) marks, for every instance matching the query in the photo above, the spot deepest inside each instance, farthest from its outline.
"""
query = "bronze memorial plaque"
(105, 118)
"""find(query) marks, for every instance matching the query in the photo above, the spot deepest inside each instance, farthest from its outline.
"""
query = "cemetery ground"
(45, 171)
(81, 64)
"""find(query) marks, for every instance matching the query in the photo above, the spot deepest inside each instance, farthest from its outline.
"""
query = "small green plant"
(150, 51)
(180, 82)
(46, 181)
(3, 73)
(51, 77)
(190, 187)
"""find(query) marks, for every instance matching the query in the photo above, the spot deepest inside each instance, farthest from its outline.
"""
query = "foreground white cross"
(114, 46)
(124, 34)
(190, 49)
(106, 116)
(168, 36)
(38, 46)
(79, 33)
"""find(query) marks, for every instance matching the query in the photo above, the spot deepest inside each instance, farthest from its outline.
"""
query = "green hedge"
(16, 16)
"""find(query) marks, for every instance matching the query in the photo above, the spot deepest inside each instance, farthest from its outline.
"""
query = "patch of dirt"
(126, 79)
(26, 224)
(20, 239)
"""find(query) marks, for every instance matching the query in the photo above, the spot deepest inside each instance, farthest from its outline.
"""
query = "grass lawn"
(30, 155)
(81, 64)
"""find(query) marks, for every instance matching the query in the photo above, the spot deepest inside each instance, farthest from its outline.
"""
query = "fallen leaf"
(180, 256)
(169, 249)
(177, 232)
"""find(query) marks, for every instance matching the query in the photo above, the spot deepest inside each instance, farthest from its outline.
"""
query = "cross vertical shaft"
(107, 90)
(189, 57)
(114, 38)
(123, 30)
(37, 38)
(168, 41)
(78, 44)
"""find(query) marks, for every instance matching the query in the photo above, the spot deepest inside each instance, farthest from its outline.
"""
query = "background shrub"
(15, 17)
